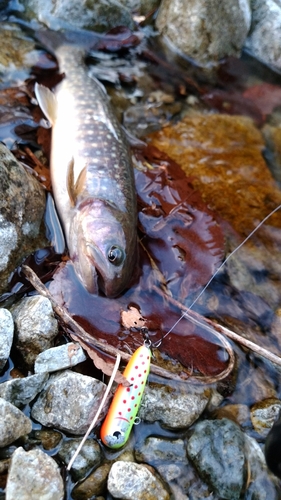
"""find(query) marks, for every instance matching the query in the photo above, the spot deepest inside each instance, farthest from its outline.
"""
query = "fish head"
(103, 248)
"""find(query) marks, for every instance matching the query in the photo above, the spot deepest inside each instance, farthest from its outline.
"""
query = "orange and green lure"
(116, 428)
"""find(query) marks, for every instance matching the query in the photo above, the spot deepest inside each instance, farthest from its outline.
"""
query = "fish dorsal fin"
(75, 189)
(47, 102)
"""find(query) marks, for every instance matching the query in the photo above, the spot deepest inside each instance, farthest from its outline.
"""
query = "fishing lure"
(116, 428)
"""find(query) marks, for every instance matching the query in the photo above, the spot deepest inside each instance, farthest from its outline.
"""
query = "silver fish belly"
(92, 177)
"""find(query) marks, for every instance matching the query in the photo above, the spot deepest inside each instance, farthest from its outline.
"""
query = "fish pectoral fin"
(75, 189)
(47, 101)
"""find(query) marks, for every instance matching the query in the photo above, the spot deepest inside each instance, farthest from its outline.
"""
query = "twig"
(212, 326)
(115, 369)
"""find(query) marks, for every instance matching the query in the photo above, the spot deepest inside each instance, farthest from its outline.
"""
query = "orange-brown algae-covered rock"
(223, 154)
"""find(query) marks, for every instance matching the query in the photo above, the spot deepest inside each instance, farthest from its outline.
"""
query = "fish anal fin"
(70, 182)
(47, 101)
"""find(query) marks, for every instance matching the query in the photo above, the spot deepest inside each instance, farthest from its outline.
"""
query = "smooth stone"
(69, 402)
(133, 481)
(93, 485)
(48, 438)
(263, 486)
(263, 415)
(174, 408)
(89, 456)
(33, 475)
(216, 448)
(59, 358)
(6, 335)
(36, 327)
(20, 391)
(156, 451)
(203, 31)
(13, 423)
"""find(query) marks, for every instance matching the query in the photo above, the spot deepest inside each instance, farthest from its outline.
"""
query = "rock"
(93, 485)
(20, 391)
(69, 402)
(13, 423)
(34, 475)
(173, 407)
(156, 451)
(89, 457)
(22, 205)
(263, 415)
(59, 358)
(133, 481)
(262, 485)
(272, 137)
(98, 15)
(264, 40)
(217, 451)
(238, 413)
(36, 327)
(48, 438)
(204, 32)
(6, 335)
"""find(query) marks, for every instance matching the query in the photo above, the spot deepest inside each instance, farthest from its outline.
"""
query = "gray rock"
(33, 475)
(20, 391)
(135, 482)
(264, 40)
(99, 15)
(22, 205)
(203, 31)
(59, 358)
(69, 402)
(217, 451)
(263, 415)
(89, 456)
(36, 326)
(262, 485)
(13, 423)
(6, 335)
(157, 450)
(176, 409)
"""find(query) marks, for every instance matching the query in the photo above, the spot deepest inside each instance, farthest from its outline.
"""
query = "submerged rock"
(93, 485)
(22, 205)
(36, 327)
(135, 482)
(89, 456)
(6, 335)
(264, 41)
(96, 15)
(69, 402)
(212, 448)
(13, 423)
(20, 391)
(34, 475)
(263, 415)
(203, 31)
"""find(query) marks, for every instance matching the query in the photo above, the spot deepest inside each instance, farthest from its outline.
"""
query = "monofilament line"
(220, 267)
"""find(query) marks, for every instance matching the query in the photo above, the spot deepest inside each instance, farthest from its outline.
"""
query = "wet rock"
(262, 485)
(89, 456)
(95, 15)
(34, 475)
(6, 335)
(264, 41)
(156, 450)
(173, 407)
(93, 485)
(272, 137)
(238, 413)
(36, 327)
(48, 438)
(22, 205)
(204, 32)
(264, 414)
(135, 482)
(69, 402)
(13, 423)
(212, 448)
(59, 358)
(20, 391)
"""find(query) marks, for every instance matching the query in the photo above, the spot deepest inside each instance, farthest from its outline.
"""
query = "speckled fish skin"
(92, 179)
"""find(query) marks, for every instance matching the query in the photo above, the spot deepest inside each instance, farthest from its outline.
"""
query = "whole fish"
(92, 175)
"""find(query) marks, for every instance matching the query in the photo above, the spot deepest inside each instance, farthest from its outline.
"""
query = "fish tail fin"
(52, 40)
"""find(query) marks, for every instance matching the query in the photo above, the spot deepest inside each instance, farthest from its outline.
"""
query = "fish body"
(92, 176)
(121, 415)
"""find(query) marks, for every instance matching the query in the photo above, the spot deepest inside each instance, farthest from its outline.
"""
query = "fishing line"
(185, 313)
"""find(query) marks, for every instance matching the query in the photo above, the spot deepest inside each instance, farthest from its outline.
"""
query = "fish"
(117, 426)
(91, 172)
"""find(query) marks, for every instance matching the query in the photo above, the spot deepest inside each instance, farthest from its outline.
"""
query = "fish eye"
(115, 255)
